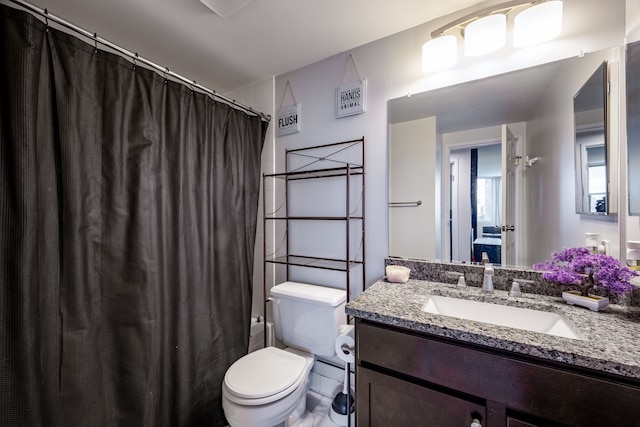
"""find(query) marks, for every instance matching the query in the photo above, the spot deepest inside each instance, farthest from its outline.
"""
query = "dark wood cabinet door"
(384, 401)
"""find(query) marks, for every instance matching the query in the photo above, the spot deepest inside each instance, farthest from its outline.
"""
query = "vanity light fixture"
(485, 31)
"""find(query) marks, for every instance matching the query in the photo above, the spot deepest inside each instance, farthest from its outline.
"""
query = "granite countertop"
(611, 337)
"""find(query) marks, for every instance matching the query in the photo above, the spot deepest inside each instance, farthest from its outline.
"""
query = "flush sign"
(350, 98)
(289, 119)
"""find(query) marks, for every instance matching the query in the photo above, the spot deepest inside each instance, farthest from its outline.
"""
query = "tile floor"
(317, 414)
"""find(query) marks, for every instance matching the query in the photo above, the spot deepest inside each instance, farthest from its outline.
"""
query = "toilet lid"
(264, 372)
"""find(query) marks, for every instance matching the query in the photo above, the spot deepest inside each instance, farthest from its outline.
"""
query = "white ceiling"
(267, 38)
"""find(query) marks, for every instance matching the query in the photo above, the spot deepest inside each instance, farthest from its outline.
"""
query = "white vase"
(592, 302)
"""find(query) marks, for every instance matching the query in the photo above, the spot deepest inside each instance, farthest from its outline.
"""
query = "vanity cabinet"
(405, 378)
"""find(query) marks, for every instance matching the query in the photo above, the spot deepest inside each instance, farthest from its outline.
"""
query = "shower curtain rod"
(135, 57)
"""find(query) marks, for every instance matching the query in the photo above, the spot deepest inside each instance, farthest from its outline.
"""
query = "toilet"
(269, 387)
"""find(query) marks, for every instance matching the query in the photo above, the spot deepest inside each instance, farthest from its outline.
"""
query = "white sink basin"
(502, 315)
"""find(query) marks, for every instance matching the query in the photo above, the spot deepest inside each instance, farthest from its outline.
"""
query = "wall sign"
(350, 98)
(289, 119)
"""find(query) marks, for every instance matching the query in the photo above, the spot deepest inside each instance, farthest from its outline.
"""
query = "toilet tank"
(308, 317)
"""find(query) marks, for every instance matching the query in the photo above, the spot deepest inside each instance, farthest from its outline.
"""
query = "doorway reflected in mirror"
(475, 202)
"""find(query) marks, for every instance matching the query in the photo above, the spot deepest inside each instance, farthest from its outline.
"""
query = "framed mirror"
(519, 207)
(590, 127)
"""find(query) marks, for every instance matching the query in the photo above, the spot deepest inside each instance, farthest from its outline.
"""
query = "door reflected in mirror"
(590, 118)
(478, 196)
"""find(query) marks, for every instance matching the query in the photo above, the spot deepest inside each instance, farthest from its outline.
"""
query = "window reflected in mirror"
(488, 200)
(589, 106)
(597, 179)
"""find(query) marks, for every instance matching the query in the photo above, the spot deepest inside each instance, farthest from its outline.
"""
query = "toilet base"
(299, 410)
(266, 415)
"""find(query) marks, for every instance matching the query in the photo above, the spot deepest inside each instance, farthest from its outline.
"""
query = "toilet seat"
(264, 376)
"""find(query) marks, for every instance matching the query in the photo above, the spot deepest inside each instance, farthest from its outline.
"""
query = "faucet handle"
(457, 275)
(515, 289)
(462, 283)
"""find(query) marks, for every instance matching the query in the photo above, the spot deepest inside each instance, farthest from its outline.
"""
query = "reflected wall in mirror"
(590, 124)
(523, 209)
(633, 125)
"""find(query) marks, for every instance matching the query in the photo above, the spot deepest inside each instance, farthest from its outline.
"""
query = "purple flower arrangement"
(579, 267)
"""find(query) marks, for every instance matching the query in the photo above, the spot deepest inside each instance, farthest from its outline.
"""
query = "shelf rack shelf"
(316, 262)
(318, 173)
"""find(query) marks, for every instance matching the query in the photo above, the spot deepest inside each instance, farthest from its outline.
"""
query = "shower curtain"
(128, 209)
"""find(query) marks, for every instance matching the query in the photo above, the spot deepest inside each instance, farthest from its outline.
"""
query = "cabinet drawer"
(563, 396)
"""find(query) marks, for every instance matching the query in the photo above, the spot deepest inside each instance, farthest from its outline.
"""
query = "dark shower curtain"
(128, 210)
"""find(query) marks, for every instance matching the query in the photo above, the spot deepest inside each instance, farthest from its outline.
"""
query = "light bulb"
(538, 24)
(440, 53)
(485, 35)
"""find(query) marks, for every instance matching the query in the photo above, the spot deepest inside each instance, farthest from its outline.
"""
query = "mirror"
(590, 122)
(633, 126)
(444, 206)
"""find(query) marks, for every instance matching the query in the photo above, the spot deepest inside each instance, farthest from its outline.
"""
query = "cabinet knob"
(475, 423)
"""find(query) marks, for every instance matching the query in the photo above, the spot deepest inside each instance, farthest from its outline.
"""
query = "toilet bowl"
(267, 387)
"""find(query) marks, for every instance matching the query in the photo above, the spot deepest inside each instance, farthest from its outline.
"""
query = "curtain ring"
(135, 64)
(193, 85)
(166, 70)
(46, 19)
(95, 42)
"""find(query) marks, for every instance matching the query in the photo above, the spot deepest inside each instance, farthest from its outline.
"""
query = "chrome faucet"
(485, 259)
(487, 282)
